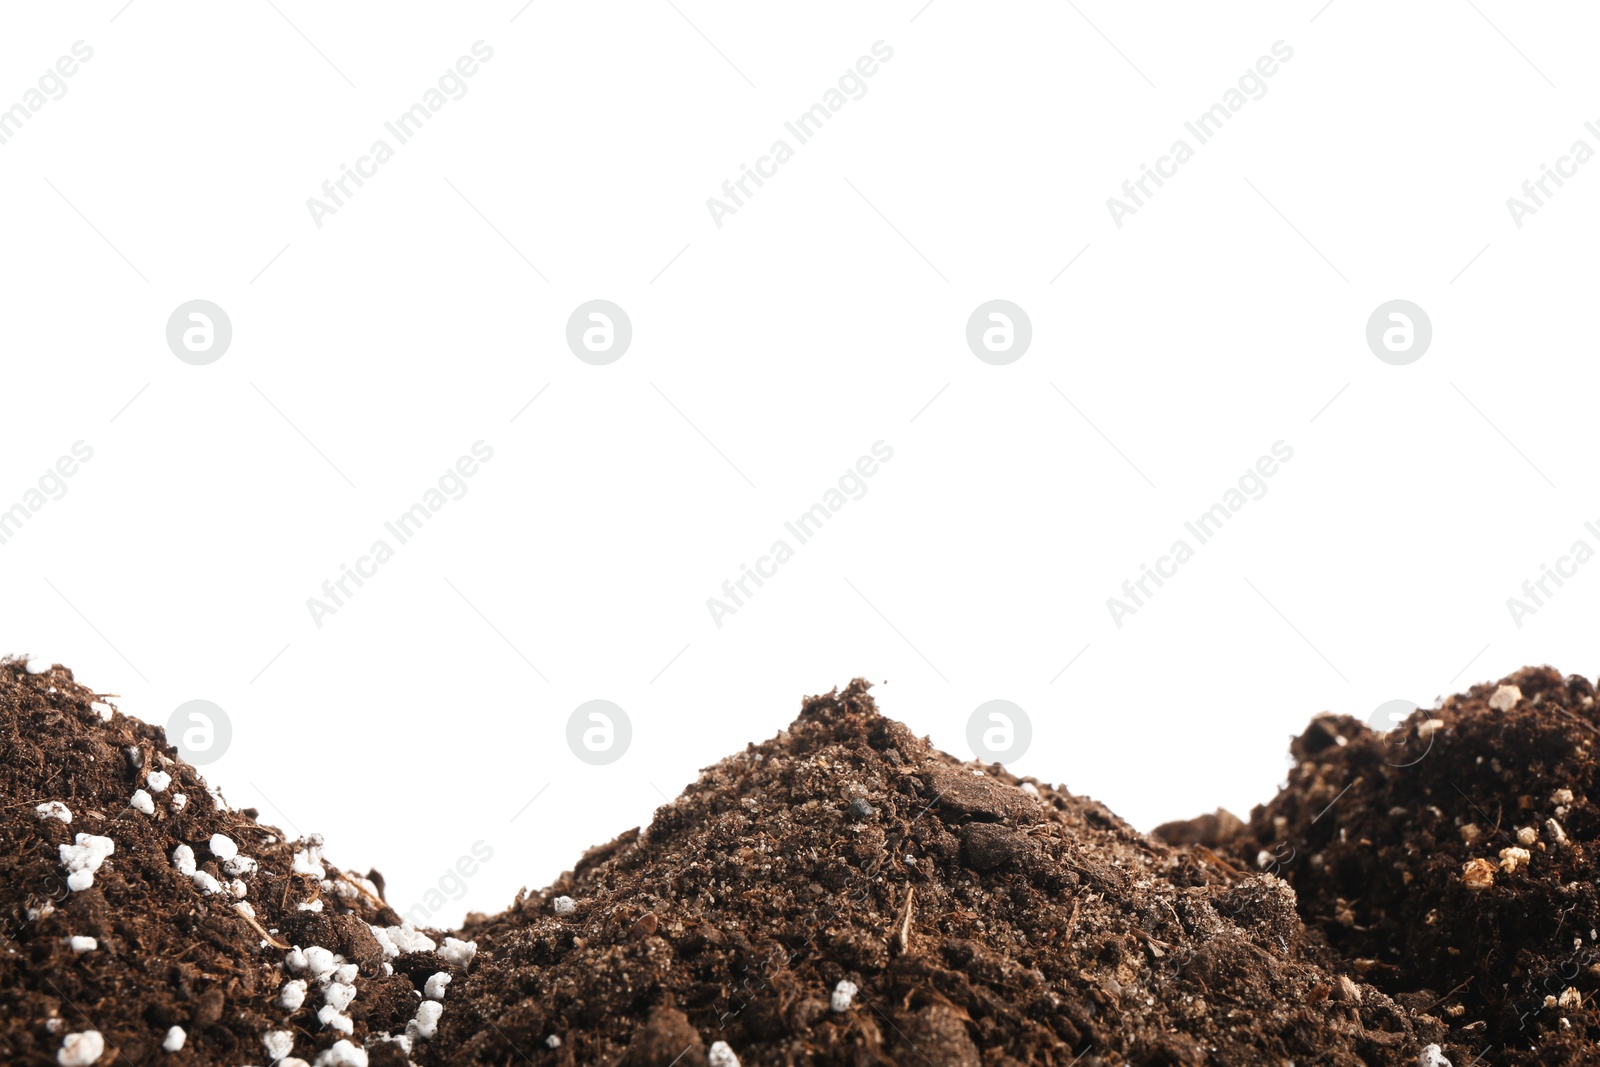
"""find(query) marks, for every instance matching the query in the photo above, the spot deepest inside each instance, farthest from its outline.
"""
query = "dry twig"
(251, 919)
(902, 926)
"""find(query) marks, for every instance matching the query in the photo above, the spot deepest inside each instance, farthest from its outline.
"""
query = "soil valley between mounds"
(840, 894)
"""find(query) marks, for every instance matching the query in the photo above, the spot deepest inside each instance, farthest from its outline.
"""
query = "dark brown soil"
(981, 919)
(1397, 845)
(167, 953)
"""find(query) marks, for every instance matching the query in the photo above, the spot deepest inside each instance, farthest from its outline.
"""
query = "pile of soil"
(1453, 860)
(843, 894)
(171, 946)
(978, 917)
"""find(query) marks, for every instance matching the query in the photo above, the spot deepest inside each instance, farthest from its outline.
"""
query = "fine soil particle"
(1453, 861)
(978, 918)
(171, 947)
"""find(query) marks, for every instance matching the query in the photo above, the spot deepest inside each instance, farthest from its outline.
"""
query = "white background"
(827, 314)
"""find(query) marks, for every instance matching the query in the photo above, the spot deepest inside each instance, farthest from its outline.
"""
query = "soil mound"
(840, 894)
(144, 921)
(845, 894)
(1453, 861)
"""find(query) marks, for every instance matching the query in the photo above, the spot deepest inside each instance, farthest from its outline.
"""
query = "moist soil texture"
(1452, 861)
(840, 894)
(190, 913)
(845, 894)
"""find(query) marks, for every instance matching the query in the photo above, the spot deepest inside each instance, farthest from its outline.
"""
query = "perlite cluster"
(1478, 874)
(314, 971)
(335, 979)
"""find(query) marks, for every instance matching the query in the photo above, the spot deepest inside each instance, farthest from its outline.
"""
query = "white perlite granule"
(80, 1050)
(320, 961)
(82, 859)
(1433, 1055)
(54, 809)
(183, 860)
(1511, 857)
(293, 994)
(458, 952)
(278, 1043)
(341, 1054)
(843, 994)
(239, 865)
(406, 938)
(328, 1015)
(338, 995)
(426, 1024)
